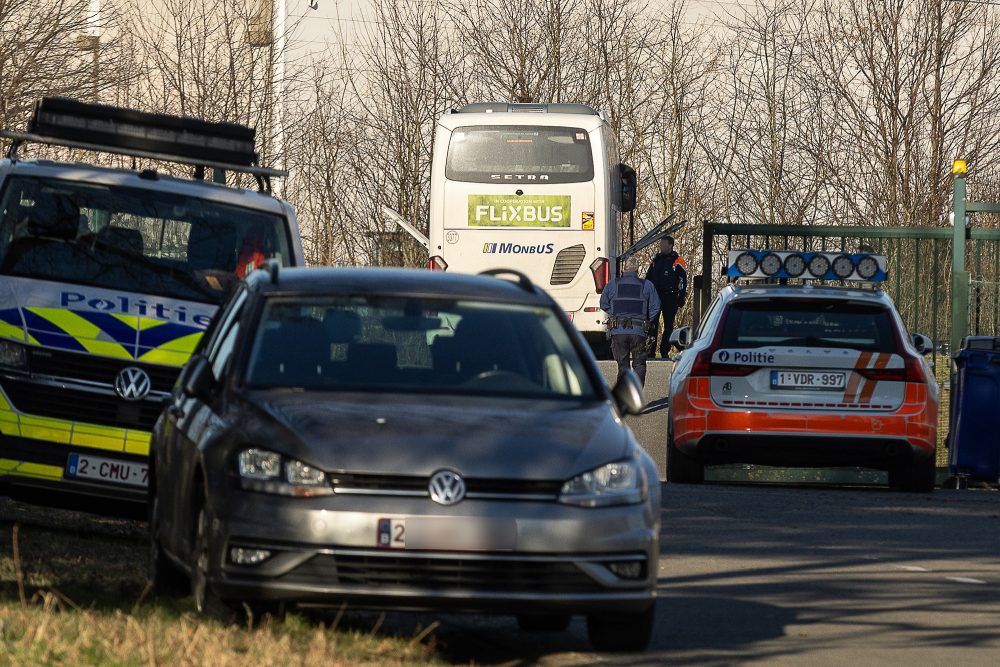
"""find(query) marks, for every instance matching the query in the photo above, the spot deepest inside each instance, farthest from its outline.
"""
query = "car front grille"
(462, 574)
(567, 264)
(500, 489)
(84, 406)
(92, 368)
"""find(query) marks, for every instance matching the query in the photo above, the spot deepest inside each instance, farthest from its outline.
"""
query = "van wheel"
(164, 576)
(621, 632)
(543, 622)
(682, 469)
(206, 601)
(916, 477)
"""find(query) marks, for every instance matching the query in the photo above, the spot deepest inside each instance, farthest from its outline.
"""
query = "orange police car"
(803, 375)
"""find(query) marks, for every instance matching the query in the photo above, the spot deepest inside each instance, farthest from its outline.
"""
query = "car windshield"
(416, 345)
(500, 153)
(130, 239)
(809, 323)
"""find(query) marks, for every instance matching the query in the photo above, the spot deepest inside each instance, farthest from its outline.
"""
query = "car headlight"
(13, 356)
(619, 483)
(269, 472)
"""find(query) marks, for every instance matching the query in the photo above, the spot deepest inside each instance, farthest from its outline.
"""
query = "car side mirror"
(628, 394)
(196, 379)
(681, 338)
(630, 187)
(921, 343)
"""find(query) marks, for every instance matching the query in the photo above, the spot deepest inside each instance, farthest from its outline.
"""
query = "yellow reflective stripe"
(85, 333)
(175, 352)
(25, 469)
(147, 323)
(8, 330)
(65, 432)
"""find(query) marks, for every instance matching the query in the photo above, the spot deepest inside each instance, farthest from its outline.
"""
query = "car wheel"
(682, 469)
(916, 477)
(543, 622)
(206, 601)
(164, 576)
(621, 632)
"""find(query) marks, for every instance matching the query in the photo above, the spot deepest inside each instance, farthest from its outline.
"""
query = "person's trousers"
(630, 349)
(669, 312)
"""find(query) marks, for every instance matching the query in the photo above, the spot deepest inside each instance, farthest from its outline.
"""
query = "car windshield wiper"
(814, 341)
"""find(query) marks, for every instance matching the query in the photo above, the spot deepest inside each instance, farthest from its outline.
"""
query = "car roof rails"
(520, 107)
(523, 281)
(61, 121)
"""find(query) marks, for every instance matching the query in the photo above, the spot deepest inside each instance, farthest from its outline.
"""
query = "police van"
(108, 279)
(533, 187)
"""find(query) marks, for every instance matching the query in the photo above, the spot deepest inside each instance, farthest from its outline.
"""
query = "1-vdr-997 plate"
(101, 469)
(808, 380)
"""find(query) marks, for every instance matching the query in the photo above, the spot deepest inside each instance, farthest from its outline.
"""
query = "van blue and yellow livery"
(109, 279)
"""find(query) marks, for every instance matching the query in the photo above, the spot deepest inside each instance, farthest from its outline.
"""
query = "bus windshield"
(503, 153)
(134, 240)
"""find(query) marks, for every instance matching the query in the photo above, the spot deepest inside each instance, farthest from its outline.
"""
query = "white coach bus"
(532, 187)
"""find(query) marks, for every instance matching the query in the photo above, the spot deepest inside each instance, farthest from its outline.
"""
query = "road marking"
(966, 580)
(913, 568)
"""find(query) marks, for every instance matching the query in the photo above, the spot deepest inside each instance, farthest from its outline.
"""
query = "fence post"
(959, 276)
(705, 293)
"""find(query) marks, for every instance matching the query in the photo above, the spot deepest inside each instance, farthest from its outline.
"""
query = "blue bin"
(974, 436)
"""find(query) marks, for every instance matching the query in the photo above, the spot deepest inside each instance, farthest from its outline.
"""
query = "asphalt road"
(784, 575)
(650, 428)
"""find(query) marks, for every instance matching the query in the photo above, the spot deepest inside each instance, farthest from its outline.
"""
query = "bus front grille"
(567, 265)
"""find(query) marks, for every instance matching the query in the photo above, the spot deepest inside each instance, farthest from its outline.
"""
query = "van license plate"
(808, 380)
(98, 468)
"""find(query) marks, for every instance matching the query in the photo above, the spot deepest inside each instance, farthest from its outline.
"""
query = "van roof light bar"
(784, 264)
(61, 121)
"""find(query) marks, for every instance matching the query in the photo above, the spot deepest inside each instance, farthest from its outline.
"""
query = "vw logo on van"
(132, 384)
(446, 487)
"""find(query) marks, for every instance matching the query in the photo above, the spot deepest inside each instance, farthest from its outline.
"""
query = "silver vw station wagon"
(406, 440)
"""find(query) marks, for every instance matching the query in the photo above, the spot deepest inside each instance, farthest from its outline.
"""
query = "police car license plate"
(107, 470)
(808, 380)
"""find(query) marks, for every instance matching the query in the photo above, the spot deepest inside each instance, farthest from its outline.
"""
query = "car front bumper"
(324, 552)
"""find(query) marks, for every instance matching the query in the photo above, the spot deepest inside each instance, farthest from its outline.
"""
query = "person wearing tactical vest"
(632, 305)
(668, 273)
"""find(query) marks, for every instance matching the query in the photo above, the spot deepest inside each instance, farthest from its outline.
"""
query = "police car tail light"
(912, 371)
(702, 366)
(437, 263)
(601, 268)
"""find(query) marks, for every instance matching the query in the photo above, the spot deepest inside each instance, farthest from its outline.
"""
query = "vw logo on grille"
(132, 384)
(446, 487)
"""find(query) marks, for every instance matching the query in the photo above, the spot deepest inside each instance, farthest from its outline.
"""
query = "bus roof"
(545, 115)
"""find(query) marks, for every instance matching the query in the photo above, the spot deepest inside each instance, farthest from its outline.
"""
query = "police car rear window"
(809, 323)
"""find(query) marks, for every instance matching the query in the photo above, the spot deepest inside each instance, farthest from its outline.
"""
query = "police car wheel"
(682, 469)
(916, 477)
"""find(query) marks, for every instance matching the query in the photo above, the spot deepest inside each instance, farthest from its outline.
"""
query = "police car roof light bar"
(60, 121)
(784, 264)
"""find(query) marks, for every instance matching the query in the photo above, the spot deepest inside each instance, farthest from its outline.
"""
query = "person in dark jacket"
(632, 306)
(668, 273)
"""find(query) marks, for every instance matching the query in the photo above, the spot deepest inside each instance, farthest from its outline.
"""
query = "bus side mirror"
(681, 338)
(630, 186)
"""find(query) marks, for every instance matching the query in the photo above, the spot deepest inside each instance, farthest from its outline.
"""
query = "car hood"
(477, 437)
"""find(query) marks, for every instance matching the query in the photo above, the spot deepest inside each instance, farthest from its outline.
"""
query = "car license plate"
(107, 470)
(447, 534)
(808, 380)
(391, 534)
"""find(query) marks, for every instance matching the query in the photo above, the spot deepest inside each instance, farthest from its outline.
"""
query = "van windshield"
(132, 240)
(519, 154)
(416, 345)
